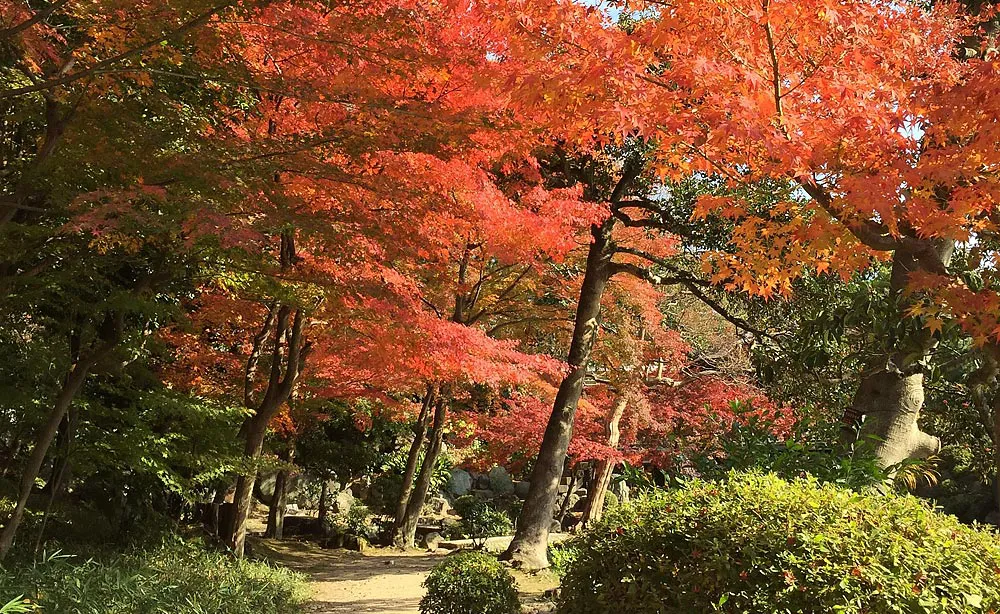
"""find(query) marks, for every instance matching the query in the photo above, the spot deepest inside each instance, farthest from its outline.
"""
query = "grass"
(179, 577)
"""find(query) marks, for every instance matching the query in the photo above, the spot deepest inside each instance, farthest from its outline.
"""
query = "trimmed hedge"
(756, 543)
(470, 583)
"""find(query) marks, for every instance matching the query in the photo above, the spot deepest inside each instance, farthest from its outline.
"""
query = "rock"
(358, 544)
(500, 481)
(993, 518)
(483, 494)
(460, 483)
(539, 608)
(292, 509)
(581, 492)
(438, 506)
(482, 482)
(342, 502)
(521, 488)
(431, 540)
(555, 527)
(579, 505)
(620, 489)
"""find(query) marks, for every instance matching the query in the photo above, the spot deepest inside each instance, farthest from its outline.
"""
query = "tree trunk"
(243, 497)
(279, 500)
(605, 467)
(892, 405)
(564, 508)
(408, 528)
(61, 472)
(74, 381)
(278, 390)
(890, 396)
(419, 432)
(528, 549)
(324, 490)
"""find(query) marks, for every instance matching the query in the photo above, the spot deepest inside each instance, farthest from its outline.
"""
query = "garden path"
(380, 581)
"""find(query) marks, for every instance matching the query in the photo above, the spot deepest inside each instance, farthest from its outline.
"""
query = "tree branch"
(39, 17)
(186, 27)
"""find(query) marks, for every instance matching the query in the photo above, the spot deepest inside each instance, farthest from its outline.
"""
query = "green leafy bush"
(480, 520)
(470, 583)
(562, 555)
(180, 578)
(357, 521)
(756, 543)
(751, 443)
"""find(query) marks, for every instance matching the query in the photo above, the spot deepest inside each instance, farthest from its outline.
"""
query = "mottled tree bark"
(279, 499)
(324, 491)
(528, 549)
(891, 395)
(605, 467)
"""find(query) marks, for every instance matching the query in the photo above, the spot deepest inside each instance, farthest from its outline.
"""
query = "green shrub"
(562, 555)
(750, 444)
(756, 543)
(480, 520)
(357, 521)
(180, 578)
(470, 583)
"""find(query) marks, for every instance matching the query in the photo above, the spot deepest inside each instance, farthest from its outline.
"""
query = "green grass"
(180, 577)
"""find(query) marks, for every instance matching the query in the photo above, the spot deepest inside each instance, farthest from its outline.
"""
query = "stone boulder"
(460, 483)
(432, 540)
(500, 481)
(342, 502)
(438, 506)
(521, 488)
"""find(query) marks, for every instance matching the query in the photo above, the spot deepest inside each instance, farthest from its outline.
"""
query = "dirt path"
(382, 581)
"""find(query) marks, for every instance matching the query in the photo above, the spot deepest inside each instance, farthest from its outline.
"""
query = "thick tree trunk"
(892, 403)
(528, 549)
(408, 528)
(74, 381)
(279, 499)
(890, 396)
(605, 467)
(406, 491)
(243, 497)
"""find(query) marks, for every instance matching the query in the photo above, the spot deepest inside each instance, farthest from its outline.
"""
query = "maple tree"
(865, 111)
(283, 204)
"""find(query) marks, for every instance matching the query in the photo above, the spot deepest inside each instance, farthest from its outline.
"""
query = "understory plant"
(179, 577)
(470, 583)
(757, 543)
